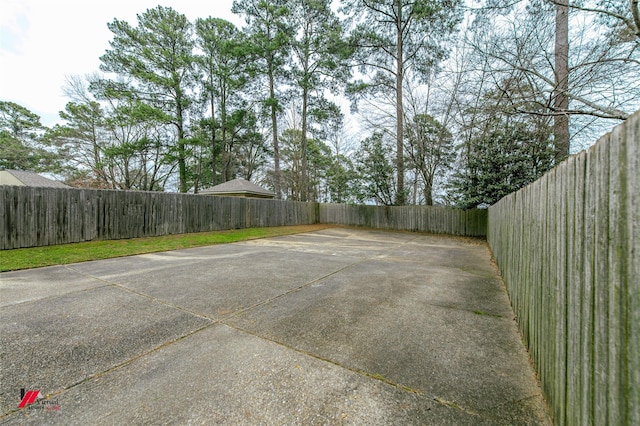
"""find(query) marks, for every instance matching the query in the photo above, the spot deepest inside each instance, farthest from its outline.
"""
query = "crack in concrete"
(323, 359)
(516, 401)
(470, 311)
(455, 406)
(115, 367)
(146, 296)
(358, 371)
(223, 321)
(285, 293)
(213, 322)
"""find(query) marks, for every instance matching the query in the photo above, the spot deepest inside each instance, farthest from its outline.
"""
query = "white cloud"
(45, 40)
(14, 25)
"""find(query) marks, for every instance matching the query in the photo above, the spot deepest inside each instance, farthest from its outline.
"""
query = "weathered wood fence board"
(439, 220)
(47, 216)
(568, 247)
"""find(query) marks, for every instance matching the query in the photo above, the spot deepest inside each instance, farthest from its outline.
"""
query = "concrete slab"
(369, 319)
(223, 376)
(340, 326)
(213, 283)
(37, 284)
(56, 342)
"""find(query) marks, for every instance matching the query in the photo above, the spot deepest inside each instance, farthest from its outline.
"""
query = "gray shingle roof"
(237, 186)
(34, 179)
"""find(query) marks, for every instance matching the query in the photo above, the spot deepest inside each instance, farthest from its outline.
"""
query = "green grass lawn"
(36, 257)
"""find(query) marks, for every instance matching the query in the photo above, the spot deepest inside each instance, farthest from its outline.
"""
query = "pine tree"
(157, 56)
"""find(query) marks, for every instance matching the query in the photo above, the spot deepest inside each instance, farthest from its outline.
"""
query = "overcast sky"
(42, 41)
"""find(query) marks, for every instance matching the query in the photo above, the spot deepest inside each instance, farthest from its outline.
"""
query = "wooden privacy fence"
(32, 217)
(568, 247)
(438, 220)
(46, 216)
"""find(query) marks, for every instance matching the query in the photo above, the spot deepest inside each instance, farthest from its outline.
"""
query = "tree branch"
(598, 111)
(633, 25)
(378, 10)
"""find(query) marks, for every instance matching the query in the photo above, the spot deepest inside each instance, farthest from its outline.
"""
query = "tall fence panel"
(45, 216)
(568, 247)
(439, 220)
(32, 217)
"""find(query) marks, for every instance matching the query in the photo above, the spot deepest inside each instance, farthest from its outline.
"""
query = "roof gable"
(237, 186)
(22, 178)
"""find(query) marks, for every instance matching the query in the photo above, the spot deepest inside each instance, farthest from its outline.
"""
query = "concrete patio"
(339, 326)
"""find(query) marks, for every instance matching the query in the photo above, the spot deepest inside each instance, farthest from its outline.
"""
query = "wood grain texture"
(568, 249)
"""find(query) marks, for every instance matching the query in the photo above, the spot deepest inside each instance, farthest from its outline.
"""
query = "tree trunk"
(399, 108)
(214, 179)
(428, 190)
(274, 129)
(635, 12)
(182, 164)
(226, 150)
(560, 99)
(304, 184)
